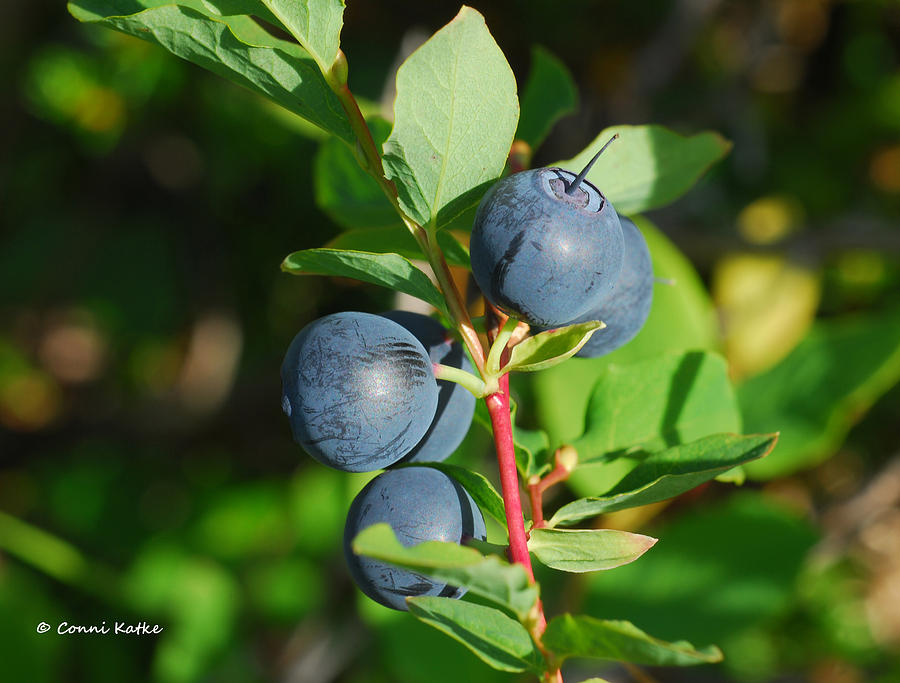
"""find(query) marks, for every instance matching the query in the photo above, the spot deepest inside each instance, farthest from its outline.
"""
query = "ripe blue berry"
(456, 406)
(420, 504)
(546, 246)
(626, 309)
(359, 390)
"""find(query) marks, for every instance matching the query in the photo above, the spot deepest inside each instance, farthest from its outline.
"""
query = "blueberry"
(626, 309)
(456, 406)
(420, 504)
(359, 390)
(541, 254)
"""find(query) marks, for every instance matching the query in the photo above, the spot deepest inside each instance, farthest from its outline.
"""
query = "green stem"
(467, 380)
(499, 346)
(455, 302)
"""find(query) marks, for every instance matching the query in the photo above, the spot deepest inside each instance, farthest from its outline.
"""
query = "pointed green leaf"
(398, 240)
(670, 399)
(823, 387)
(454, 118)
(482, 491)
(505, 584)
(501, 642)
(316, 24)
(648, 166)
(583, 636)
(669, 473)
(348, 194)
(209, 34)
(546, 349)
(388, 270)
(549, 94)
(587, 550)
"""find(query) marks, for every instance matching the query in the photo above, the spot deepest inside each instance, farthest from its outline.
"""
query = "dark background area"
(146, 470)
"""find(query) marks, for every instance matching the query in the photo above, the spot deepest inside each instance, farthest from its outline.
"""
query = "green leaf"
(824, 386)
(671, 399)
(583, 636)
(348, 194)
(682, 318)
(587, 550)
(93, 10)
(209, 34)
(720, 569)
(505, 584)
(501, 642)
(388, 270)
(482, 491)
(316, 24)
(648, 166)
(454, 118)
(403, 650)
(546, 349)
(669, 473)
(398, 240)
(532, 446)
(549, 94)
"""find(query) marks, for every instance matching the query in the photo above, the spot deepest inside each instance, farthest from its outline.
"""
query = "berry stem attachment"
(580, 177)
(566, 459)
(475, 385)
(499, 346)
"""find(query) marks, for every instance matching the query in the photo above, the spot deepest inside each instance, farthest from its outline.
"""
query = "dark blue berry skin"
(626, 309)
(540, 255)
(456, 406)
(420, 504)
(359, 390)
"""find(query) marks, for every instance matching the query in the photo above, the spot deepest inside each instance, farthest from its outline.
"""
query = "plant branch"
(497, 402)
(498, 409)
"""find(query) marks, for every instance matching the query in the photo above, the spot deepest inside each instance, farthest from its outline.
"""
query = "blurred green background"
(146, 470)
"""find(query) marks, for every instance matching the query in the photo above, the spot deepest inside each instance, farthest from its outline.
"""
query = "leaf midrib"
(446, 153)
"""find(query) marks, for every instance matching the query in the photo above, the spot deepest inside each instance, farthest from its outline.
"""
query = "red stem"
(535, 495)
(498, 408)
